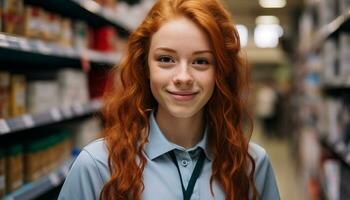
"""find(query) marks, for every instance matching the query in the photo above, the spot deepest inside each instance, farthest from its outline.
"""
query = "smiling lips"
(183, 96)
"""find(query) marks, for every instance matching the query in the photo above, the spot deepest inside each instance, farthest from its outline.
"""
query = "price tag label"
(55, 114)
(24, 45)
(97, 104)
(55, 179)
(67, 112)
(78, 108)
(70, 52)
(28, 121)
(4, 43)
(59, 51)
(43, 48)
(4, 128)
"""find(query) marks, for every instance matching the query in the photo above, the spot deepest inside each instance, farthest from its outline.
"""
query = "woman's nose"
(183, 75)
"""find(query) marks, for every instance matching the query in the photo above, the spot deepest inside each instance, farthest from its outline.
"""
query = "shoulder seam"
(99, 172)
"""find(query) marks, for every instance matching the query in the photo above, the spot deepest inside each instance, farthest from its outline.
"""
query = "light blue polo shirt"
(161, 179)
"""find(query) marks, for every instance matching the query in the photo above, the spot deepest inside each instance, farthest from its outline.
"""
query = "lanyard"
(195, 174)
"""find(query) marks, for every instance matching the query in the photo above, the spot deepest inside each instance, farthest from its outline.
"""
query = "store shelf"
(37, 51)
(109, 15)
(52, 116)
(338, 150)
(86, 10)
(37, 188)
(338, 24)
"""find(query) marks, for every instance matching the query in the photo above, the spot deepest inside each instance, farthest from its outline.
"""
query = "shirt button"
(184, 163)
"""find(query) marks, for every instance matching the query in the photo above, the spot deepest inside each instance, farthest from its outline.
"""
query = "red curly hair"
(129, 102)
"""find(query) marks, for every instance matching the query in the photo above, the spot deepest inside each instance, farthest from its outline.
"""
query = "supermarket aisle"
(290, 186)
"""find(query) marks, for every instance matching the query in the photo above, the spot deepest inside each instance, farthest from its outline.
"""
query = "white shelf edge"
(40, 47)
(54, 115)
(32, 190)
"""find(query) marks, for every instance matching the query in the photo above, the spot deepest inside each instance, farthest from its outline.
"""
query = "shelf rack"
(339, 23)
(32, 50)
(338, 150)
(86, 10)
(44, 184)
(55, 115)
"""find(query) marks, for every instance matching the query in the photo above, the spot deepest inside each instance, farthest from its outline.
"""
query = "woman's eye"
(165, 59)
(201, 62)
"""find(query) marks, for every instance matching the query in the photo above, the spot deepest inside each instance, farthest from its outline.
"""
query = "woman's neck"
(185, 132)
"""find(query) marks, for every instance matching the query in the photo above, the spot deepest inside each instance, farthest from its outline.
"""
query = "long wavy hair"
(129, 102)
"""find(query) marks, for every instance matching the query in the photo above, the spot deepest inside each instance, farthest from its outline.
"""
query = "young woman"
(176, 116)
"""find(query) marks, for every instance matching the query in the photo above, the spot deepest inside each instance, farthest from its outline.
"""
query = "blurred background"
(55, 56)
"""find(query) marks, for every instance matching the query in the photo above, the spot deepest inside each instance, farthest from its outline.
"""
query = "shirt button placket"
(184, 163)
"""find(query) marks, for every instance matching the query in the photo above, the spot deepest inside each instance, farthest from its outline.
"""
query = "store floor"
(288, 180)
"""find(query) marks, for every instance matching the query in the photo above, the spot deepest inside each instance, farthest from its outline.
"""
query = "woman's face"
(182, 68)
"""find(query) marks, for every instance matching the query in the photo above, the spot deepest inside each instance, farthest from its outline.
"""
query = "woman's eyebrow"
(202, 51)
(173, 51)
(165, 49)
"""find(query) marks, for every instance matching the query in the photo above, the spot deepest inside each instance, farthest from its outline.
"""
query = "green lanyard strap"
(195, 174)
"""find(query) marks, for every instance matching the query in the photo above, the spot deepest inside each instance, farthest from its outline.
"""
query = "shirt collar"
(158, 144)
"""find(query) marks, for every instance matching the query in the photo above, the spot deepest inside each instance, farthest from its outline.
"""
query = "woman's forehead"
(180, 33)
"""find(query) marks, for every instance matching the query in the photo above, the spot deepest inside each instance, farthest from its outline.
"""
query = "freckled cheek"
(158, 80)
(207, 81)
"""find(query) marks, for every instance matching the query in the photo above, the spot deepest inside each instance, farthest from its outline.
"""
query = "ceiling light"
(272, 3)
(267, 35)
(267, 19)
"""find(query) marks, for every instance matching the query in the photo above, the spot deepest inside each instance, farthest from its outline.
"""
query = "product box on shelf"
(42, 95)
(81, 35)
(43, 155)
(330, 66)
(18, 95)
(33, 22)
(344, 58)
(45, 25)
(2, 173)
(73, 87)
(4, 94)
(85, 132)
(14, 168)
(332, 176)
(337, 116)
(52, 27)
(32, 161)
(12, 16)
(106, 39)
(66, 34)
(1, 17)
